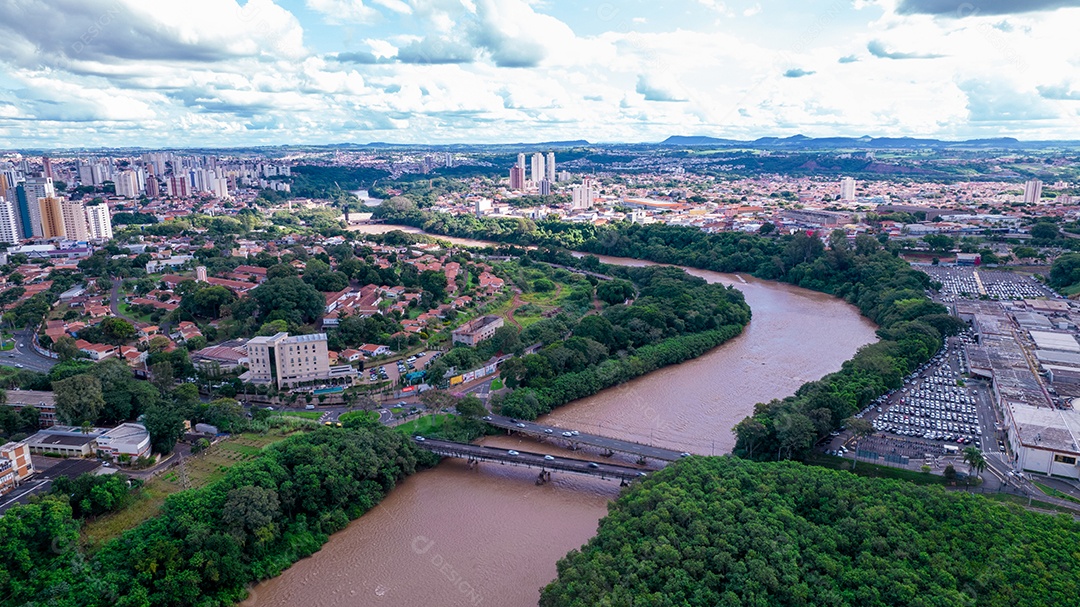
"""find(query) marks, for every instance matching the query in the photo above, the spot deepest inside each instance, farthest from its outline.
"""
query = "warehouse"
(1044, 440)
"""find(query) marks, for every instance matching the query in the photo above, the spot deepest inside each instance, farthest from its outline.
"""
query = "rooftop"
(1055, 429)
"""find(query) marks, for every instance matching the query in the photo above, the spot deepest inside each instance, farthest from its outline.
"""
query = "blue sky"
(223, 73)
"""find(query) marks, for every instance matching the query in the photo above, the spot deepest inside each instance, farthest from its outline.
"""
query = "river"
(488, 536)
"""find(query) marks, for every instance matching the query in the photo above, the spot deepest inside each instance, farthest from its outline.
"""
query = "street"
(23, 356)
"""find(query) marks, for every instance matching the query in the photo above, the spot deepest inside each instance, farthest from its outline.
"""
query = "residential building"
(52, 217)
(583, 195)
(537, 173)
(372, 350)
(847, 189)
(18, 453)
(74, 217)
(98, 222)
(477, 330)
(9, 222)
(1033, 191)
(127, 184)
(549, 168)
(517, 178)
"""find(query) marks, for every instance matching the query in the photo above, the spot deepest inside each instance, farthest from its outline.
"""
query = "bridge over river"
(575, 439)
(546, 463)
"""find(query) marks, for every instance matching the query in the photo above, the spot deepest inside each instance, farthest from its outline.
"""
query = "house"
(351, 355)
(372, 350)
(96, 352)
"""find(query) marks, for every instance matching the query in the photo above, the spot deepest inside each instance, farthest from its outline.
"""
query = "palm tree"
(975, 460)
(860, 428)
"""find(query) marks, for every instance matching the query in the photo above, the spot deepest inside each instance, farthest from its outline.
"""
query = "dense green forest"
(863, 272)
(724, 531)
(208, 543)
(656, 316)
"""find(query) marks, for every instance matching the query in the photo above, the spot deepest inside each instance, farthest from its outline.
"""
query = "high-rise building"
(98, 222)
(549, 167)
(537, 173)
(29, 222)
(583, 195)
(179, 187)
(86, 173)
(153, 190)
(46, 167)
(74, 216)
(52, 217)
(9, 221)
(521, 161)
(127, 184)
(1032, 191)
(847, 189)
(39, 187)
(545, 187)
(517, 178)
(220, 187)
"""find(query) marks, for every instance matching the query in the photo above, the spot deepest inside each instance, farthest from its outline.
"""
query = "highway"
(529, 459)
(576, 440)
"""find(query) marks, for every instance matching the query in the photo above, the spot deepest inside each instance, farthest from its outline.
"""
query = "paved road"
(24, 354)
(593, 440)
(532, 460)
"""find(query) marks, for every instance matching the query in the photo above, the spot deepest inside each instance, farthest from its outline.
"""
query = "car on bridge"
(512, 452)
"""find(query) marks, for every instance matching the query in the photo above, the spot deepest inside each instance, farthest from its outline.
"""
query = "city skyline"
(114, 73)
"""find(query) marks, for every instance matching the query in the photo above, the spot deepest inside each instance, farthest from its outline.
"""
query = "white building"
(132, 440)
(127, 184)
(583, 195)
(847, 189)
(537, 173)
(1044, 440)
(74, 216)
(290, 361)
(9, 222)
(549, 167)
(1032, 191)
(98, 222)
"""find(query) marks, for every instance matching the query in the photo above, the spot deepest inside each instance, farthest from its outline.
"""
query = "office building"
(847, 189)
(52, 217)
(517, 178)
(9, 222)
(1032, 191)
(98, 222)
(537, 173)
(476, 330)
(583, 195)
(291, 361)
(549, 167)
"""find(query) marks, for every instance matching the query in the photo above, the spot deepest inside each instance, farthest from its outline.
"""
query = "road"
(593, 440)
(533, 460)
(24, 354)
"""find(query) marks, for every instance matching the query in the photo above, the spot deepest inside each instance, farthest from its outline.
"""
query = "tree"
(78, 399)
(165, 424)
(860, 429)
(289, 298)
(65, 348)
(1044, 230)
(471, 406)
(766, 228)
(161, 375)
(615, 291)
(749, 432)
(118, 330)
(438, 400)
(975, 460)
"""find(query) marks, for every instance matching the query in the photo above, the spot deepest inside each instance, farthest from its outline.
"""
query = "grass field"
(126, 310)
(496, 384)
(424, 424)
(315, 415)
(1054, 492)
(197, 471)
(1023, 501)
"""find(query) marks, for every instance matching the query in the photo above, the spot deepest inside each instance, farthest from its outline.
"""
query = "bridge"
(546, 463)
(576, 439)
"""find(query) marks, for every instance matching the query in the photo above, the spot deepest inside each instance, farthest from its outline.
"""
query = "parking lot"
(391, 371)
(931, 416)
(965, 282)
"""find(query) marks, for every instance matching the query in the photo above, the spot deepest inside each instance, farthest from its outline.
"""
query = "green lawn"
(315, 415)
(424, 424)
(1054, 492)
(1023, 501)
(496, 384)
(126, 310)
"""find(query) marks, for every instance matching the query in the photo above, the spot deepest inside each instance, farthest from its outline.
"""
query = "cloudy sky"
(228, 72)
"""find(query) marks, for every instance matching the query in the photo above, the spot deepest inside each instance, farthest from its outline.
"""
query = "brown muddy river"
(489, 536)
